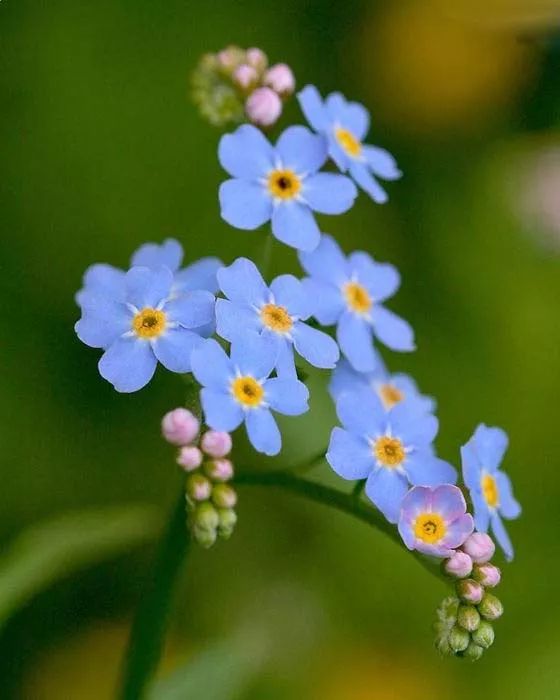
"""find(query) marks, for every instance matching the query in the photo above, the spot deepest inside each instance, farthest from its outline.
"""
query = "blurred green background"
(101, 151)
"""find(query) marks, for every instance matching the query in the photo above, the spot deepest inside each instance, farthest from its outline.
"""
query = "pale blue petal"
(313, 108)
(221, 412)
(263, 432)
(416, 430)
(501, 535)
(381, 279)
(102, 322)
(128, 364)
(354, 337)
(481, 512)
(254, 354)
(318, 348)
(242, 282)
(490, 445)
(458, 531)
(293, 223)
(418, 500)
(406, 531)
(200, 275)
(471, 465)
(341, 158)
(169, 253)
(287, 396)
(246, 153)
(425, 469)
(368, 183)
(417, 402)
(344, 379)
(192, 309)
(175, 347)
(349, 456)
(326, 262)
(449, 502)
(386, 489)
(102, 280)
(147, 287)
(328, 193)
(350, 115)
(362, 413)
(392, 330)
(509, 507)
(233, 320)
(301, 151)
(289, 292)
(211, 366)
(285, 362)
(382, 163)
(325, 300)
(246, 205)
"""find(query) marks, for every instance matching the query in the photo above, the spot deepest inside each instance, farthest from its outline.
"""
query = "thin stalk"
(266, 254)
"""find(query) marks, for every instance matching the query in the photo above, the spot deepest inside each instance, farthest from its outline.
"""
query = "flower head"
(278, 311)
(435, 521)
(141, 324)
(345, 125)
(263, 106)
(238, 389)
(280, 184)
(390, 450)
(349, 292)
(490, 488)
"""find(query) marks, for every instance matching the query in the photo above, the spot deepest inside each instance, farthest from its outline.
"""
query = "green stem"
(148, 630)
(358, 488)
(266, 254)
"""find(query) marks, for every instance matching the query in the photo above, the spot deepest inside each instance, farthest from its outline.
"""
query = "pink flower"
(189, 458)
(179, 427)
(263, 106)
(480, 547)
(280, 78)
(256, 58)
(459, 565)
(216, 443)
(245, 76)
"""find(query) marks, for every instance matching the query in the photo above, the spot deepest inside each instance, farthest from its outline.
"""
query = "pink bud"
(470, 591)
(198, 487)
(263, 106)
(488, 575)
(459, 565)
(179, 427)
(228, 57)
(280, 78)
(189, 458)
(256, 58)
(479, 547)
(245, 76)
(219, 469)
(216, 443)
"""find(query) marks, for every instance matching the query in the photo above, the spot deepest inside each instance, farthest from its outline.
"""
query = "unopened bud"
(263, 106)
(224, 496)
(484, 635)
(205, 537)
(459, 639)
(490, 607)
(256, 58)
(230, 57)
(198, 487)
(189, 458)
(245, 76)
(468, 617)
(179, 427)
(488, 575)
(480, 547)
(219, 469)
(459, 565)
(205, 516)
(473, 652)
(280, 78)
(216, 443)
(470, 591)
(228, 520)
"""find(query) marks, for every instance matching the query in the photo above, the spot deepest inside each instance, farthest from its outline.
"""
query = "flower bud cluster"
(210, 499)
(464, 621)
(235, 83)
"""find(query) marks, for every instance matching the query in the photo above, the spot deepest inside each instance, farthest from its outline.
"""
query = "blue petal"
(381, 279)
(509, 507)
(344, 379)
(192, 309)
(294, 224)
(341, 158)
(386, 489)
(326, 262)
(354, 337)
(490, 445)
(351, 115)
(349, 456)
(200, 275)
(481, 511)
(325, 299)
(285, 362)
(128, 364)
(392, 330)
(148, 287)
(500, 533)
(368, 183)
(318, 348)
(242, 282)
(289, 292)
(471, 465)
(382, 163)
(449, 502)
(417, 500)
(313, 108)
(362, 413)
(169, 253)
(301, 151)
(102, 280)
(244, 204)
(246, 153)
(287, 396)
(263, 432)
(174, 349)
(328, 193)
(102, 322)
(425, 469)
(416, 430)
(417, 402)
(221, 412)
(234, 320)
(211, 366)
(254, 354)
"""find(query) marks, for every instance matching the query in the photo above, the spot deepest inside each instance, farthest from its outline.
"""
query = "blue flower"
(280, 184)
(278, 311)
(490, 488)
(141, 323)
(345, 125)
(390, 450)
(238, 389)
(392, 389)
(349, 292)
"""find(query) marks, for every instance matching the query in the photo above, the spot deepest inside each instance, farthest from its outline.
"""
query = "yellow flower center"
(429, 527)
(348, 142)
(247, 391)
(276, 318)
(390, 395)
(357, 297)
(389, 451)
(283, 184)
(490, 490)
(149, 323)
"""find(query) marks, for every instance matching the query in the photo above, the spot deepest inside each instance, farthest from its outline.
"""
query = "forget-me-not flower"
(278, 311)
(345, 125)
(238, 389)
(490, 488)
(141, 324)
(391, 450)
(280, 183)
(350, 291)
(434, 520)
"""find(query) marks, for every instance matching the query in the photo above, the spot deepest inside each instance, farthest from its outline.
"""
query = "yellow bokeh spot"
(284, 184)
(357, 297)
(276, 318)
(389, 451)
(390, 396)
(348, 142)
(149, 323)
(490, 490)
(429, 527)
(247, 391)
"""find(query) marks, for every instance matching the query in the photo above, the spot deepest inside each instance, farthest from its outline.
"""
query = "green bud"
(484, 635)
(198, 487)
(490, 607)
(204, 536)
(224, 496)
(468, 617)
(459, 639)
(205, 516)
(227, 520)
(473, 652)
